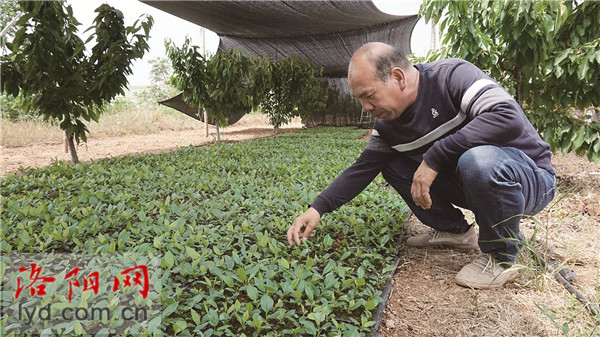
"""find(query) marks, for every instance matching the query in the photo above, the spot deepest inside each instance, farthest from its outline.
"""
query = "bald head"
(380, 57)
(383, 80)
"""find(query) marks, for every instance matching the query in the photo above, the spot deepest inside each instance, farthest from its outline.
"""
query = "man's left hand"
(422, 180)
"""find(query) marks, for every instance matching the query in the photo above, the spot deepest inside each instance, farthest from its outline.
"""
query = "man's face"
(382, 100)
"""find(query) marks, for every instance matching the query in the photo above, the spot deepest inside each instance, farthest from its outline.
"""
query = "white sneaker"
(433, 238)
(486, 273)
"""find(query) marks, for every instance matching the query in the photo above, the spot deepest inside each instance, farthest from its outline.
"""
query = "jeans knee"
(478, 164)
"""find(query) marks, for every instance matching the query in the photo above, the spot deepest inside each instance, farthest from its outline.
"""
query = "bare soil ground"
(45, 153)
(424, 300)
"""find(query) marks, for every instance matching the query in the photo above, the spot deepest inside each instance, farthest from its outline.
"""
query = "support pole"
(206, 121)
(203, 33)
(11, 23)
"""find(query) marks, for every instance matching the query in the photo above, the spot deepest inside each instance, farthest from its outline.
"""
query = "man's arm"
(352, 181)
(344, 188)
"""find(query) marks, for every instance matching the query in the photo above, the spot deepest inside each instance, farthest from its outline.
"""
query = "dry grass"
(127, 122)
(568, 233)
(29, 132)
(141, 122)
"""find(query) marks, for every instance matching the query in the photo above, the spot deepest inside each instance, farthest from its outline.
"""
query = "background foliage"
(340, 109)
(295, 90)
(160, 85)
(224, 84)
(49, 69)
(547, 53)
(228, 83)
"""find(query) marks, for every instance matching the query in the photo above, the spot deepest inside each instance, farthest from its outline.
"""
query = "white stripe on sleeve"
(472, 91)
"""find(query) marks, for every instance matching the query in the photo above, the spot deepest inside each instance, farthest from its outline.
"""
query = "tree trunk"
(277, 125)
(71, 145)
(519, 87)
(218, 133)
(72, 148)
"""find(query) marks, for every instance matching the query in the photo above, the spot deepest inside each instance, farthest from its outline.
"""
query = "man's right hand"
(303, 226)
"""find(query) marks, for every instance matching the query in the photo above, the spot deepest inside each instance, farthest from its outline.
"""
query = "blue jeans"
(498, 184)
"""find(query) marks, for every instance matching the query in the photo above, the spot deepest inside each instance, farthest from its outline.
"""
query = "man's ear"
(399, 76)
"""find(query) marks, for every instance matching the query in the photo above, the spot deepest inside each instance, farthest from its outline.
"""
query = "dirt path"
(38, 155)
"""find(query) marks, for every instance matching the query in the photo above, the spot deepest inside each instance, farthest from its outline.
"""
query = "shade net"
(324, 32)
(178, 104)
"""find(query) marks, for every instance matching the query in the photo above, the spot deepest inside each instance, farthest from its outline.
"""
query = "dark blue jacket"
(458, 107)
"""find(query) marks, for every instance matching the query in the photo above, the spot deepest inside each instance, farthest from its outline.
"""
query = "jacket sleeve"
(376, 156)
(493, 116)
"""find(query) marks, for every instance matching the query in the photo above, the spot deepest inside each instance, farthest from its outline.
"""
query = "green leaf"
(369, 324)
(565, 145)
(558, 71)
(266, 303)
(169, 309)
(241, 273)
(583, 68)
(361, 272)
(78, 328)
(565, 328)
(179, 325)
(309, 289)
(192, 253)
(263, 241)
(562, 56)
(228, 280)
(578, 137)
(195, 316)
(370, 305)
(252, 292)
(309, 327)
(314, 317)
(257, 323)
(213, 317)
(345, 255)
(327, 241)
(168, 260)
